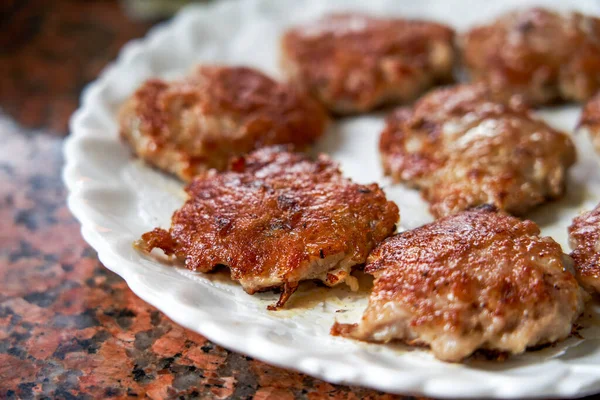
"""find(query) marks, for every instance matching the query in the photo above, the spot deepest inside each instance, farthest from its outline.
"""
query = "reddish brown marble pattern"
(69, 328)
(50, 49)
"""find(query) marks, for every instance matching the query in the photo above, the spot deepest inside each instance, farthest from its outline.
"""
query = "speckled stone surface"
(69, 328)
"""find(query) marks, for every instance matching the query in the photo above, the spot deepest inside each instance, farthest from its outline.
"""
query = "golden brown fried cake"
(584, 238)
(474, 280)
(590, 119)
(277, 218)
(543, 55)
(463, 147)
(188, 126)
(354, 63)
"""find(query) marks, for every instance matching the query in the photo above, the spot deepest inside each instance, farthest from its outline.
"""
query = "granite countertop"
(69, 328)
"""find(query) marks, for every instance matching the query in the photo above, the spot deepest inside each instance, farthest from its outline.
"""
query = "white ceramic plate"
(117, 198)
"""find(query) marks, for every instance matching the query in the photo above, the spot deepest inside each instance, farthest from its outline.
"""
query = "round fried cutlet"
(354, 63)
(590, 120)
(277, 218)
(474, 280)
(190, 125)
(465, 146)
(584, 238)
(543, 55)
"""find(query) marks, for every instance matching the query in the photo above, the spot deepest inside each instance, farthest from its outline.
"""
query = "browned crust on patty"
(354, 62)
(584, 238)
(198, 122)
(590, 119)
(541, 54)
(277, 218)
(467, 145)
(474, 280)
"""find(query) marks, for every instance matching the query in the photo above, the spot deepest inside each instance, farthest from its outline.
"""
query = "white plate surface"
(118, 198)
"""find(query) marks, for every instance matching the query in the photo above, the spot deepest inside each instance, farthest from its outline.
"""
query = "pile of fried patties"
(478, 278)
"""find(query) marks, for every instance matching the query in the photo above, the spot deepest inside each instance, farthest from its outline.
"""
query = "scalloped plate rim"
(255, 346)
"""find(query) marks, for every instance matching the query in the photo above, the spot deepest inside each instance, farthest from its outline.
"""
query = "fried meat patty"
(463, 146)
(190, 125)
(584, 238)
(277, 218)
(590, 119)
(543, 55)
(354, 62)
(474, 280)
